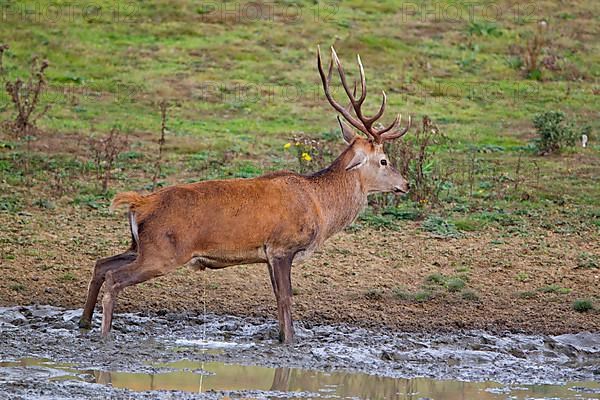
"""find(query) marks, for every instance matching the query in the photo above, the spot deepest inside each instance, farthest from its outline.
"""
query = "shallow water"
(201, 377)
(184, 356)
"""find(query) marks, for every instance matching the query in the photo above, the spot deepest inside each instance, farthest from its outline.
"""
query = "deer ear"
(359, 159)
(347, 132)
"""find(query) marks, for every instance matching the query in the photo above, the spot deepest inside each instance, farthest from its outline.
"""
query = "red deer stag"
(277, 219)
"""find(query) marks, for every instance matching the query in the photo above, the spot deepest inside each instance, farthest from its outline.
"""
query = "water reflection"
(200, 377)
(196, 376)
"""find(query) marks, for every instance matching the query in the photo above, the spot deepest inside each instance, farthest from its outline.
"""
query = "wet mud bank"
(44, 355)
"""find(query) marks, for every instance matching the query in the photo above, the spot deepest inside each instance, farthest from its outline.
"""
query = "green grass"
(583, 305)
(242, 88)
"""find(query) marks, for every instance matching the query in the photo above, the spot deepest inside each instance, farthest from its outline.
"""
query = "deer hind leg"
(138, 271)
(100, 269)
(280, 269)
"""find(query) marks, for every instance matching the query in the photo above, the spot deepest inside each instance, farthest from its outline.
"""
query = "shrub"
(455, 284)
(582, 305)
(414, 158)
(105, 152)
(25, 96)
(554, 133)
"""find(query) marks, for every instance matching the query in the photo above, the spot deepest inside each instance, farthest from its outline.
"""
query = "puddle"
(290, 383)
(43, 355)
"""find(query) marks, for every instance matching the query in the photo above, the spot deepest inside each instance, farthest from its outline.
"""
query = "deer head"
(366, 155)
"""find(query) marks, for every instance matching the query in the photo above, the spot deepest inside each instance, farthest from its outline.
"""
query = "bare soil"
(47, 257)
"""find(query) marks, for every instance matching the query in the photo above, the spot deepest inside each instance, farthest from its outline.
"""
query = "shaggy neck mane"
(341, 193)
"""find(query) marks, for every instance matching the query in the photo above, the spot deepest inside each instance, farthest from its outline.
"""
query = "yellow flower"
(287, 146)
(306, 157)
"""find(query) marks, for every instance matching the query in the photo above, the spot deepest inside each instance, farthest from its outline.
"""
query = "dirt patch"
(368, 278)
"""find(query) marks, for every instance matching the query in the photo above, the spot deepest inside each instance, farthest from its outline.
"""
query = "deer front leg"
(280, 269)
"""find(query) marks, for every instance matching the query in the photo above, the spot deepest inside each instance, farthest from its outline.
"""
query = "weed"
(373, 294)
(470, 295)
(483, 28)
(436, 278)
(105, 152)
(455, 284)
(423, 296)
(587, 261)
(311, 154)
(11, 204)
(440, 228)
(555, 289)
(522, 276)
(163, 105)
(468, 224)
(378, 221)
(67, 277)
(583, 305)
(533, 50)
(17, 287)
(25, 96)
(401, 293)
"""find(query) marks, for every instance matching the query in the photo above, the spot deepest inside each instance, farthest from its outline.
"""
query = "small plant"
(555, 289)
(533, 50)
(436, 278)
(587, 261)
(470, 295)
(483, 28)
(17, 287)
(67, 277)
(455, 284)
(373, 294)
(105, 152)
(422, 296)
(522, 276)
(401, 293)
(161, 142)
(311, 154)
(582, 305)
(440, 228)
(25, 96)
(554, 133)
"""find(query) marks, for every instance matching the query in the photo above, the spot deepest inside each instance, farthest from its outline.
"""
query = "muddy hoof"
(85, 323)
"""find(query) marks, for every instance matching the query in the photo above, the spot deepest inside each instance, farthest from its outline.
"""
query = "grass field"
(240, 79)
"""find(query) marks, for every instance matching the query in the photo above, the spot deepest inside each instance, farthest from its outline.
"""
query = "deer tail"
(131, 199)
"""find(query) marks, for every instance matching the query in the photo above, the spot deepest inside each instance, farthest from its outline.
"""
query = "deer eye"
(383, 162)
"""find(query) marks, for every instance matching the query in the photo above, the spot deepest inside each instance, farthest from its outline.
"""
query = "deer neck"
(340, 193)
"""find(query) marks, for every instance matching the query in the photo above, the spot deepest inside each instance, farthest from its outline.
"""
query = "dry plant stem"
(163, 129)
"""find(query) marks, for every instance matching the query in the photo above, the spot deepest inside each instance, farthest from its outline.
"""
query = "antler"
(361, 122)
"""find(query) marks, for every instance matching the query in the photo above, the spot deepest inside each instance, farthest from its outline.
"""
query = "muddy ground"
(523, 282)
(139, 342)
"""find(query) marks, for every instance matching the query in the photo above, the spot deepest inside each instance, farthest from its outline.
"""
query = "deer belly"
(224, 258)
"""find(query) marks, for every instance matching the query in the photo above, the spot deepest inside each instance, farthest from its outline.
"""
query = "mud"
(45, 355)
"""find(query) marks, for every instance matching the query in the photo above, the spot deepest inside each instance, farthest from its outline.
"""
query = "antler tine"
(325, 80)
(395, 122)
(369, 121)
(342, 74)
(399, 133)
(363, 81)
